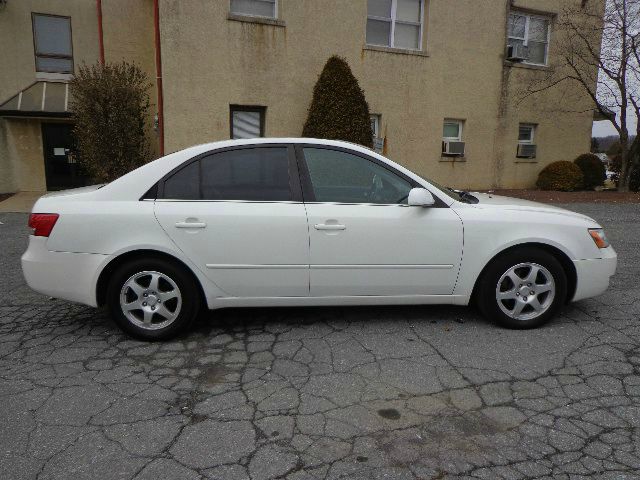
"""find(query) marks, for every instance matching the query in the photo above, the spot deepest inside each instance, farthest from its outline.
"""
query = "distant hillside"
(604, 143)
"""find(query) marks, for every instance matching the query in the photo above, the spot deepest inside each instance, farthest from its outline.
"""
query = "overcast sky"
(604, 128)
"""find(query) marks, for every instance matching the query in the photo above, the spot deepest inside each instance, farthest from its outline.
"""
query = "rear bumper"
(65, 275)
(594, 274)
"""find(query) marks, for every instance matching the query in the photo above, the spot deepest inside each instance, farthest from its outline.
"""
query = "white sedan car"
(300, 222)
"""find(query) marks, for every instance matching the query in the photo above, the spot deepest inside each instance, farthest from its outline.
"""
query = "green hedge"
(593, 170)
(564, 176)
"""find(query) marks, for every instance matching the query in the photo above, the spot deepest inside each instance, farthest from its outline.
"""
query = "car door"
(237, 214)
(364, 238)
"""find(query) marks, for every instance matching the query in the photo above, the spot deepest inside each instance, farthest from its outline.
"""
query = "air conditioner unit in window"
(517, 53)
(452, 149)
(526, 150)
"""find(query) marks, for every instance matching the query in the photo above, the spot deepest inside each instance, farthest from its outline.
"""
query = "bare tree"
(600, 54)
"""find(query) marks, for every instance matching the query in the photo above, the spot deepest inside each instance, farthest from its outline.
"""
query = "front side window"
(247, 122)
(532, 33)
(255, 8)
(52, 43)
(342, 177)
(251, 174)
(395, 23)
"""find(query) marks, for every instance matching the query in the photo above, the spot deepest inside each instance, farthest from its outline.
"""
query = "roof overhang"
(41, 99)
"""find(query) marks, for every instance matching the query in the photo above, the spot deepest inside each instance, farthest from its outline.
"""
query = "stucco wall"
(26, 150)
(210, 62)
(129, 35)
(7, 178)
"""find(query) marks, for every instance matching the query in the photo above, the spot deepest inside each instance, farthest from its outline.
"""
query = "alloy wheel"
(525, 291)
(150, 300)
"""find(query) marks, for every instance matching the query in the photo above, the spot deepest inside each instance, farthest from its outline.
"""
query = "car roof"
(136, 183)
(280, 140)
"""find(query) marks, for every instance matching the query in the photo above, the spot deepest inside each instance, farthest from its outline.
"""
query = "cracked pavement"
(323, 393)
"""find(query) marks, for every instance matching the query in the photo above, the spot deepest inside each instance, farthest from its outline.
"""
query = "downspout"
(156, 21)
(100, 33)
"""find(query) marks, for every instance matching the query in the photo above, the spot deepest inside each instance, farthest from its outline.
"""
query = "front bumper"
(65, 275)
(593, 274)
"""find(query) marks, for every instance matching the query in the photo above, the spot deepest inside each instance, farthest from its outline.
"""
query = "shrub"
(634, 177)
(110, 104)
(563, 176)
(593, 170)
(339, 110)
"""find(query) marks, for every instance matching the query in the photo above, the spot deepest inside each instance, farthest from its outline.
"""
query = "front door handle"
(190, 225)
(329, 226)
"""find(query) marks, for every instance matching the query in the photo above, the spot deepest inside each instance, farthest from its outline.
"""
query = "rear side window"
(184, 184)
(253, 174)
(260, 174)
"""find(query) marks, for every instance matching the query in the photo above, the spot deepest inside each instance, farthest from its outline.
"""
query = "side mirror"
(420, 197)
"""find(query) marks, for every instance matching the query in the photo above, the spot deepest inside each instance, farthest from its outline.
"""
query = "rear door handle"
(329, 226)
(190, 225)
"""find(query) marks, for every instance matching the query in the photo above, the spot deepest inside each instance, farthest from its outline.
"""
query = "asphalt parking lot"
(356, 393)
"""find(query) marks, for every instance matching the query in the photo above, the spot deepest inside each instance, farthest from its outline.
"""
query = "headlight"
(599, 237)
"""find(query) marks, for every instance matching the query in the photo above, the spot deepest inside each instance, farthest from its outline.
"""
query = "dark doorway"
(60, 161)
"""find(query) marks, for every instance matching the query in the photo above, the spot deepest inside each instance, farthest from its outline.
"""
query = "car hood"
(487, 200)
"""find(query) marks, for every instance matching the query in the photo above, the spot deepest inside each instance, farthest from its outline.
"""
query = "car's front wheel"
(152, 299)
(523, 288)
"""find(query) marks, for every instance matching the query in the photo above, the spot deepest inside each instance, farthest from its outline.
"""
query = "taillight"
(42, 223)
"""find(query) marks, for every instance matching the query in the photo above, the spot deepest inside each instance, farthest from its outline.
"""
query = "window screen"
(246, 123)
(451, 130)
(52, 38)
(259, 8)
(525, 133)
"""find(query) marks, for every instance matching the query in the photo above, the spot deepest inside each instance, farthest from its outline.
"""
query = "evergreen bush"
(564, 176)
(339, 110)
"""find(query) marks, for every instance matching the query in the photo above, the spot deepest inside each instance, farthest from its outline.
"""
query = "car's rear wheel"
(152, 299)
(524, 288)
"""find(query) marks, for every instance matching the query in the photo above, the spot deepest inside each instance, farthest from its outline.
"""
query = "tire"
(163, 297)
(524, 302)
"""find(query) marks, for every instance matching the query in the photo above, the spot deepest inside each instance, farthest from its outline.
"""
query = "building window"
(247, 122)
(452, 130)
(526, 141)
(378, 141)
(375, 124)
(255, 8)
(532, 33)
(526, 133)
(395, 23)
(452, 144)
(52, 43)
